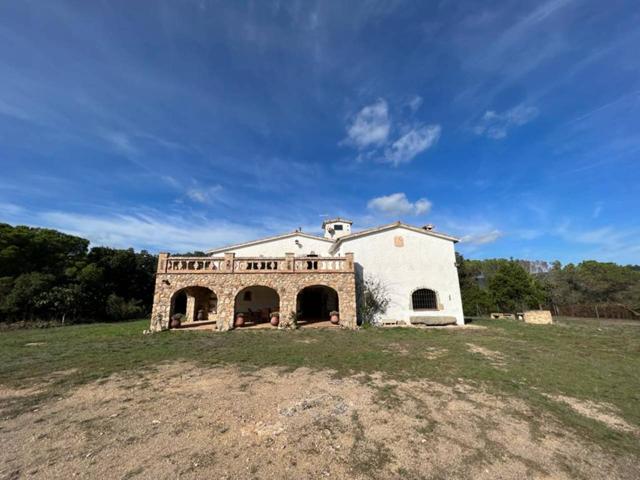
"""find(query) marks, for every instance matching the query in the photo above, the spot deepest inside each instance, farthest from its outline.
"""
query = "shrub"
(117, 308)
(372, 299)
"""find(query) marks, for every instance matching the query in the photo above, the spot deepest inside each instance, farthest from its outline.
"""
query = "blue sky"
(177, 125)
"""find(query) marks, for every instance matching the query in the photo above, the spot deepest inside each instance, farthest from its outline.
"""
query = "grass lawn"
(589, 360)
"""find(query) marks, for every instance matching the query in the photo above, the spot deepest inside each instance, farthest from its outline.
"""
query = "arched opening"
(424, 299)
(256, 303)
(195, 304)
(315, 303)
(179, 303)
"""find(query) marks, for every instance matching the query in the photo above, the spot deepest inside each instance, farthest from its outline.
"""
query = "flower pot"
(275, 321)
(174, 322)
(239, 321)
(335, 318)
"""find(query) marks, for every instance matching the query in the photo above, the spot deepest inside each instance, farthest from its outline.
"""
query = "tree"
(512, 288)
(372, 299)
(45, 274)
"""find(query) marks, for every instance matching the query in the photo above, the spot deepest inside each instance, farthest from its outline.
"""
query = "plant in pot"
(176, 320)
(291, 322)
(239, 322)
(275, 319)
(334, 316)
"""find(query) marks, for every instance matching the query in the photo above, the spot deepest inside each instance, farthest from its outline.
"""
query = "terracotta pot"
(174, 322)
(239, 321)
(335, 319)
(275, 321)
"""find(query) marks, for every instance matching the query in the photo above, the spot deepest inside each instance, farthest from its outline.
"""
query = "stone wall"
(227, 285)
(538, 316)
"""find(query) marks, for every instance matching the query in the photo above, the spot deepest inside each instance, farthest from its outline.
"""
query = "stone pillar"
(289, 261)
(348, 314)
(162, 262)
(191, 306)
(349, 261)
(226, 308)
(288, 294)
(227, 265)
(161, 305)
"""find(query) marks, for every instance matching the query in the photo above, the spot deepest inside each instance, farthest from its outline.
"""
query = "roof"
(295, 233)
(337, 219)
(374, 230)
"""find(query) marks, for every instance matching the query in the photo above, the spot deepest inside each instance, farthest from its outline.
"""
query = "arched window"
(424, 299)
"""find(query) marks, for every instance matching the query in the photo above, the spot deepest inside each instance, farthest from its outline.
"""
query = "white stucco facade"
(402, 257)
(405, 260)
(298, 243)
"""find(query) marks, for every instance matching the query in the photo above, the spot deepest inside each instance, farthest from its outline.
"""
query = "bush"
(117, 308)
(372, 299)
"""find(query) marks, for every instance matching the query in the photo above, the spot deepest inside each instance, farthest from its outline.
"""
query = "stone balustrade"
(232, 264)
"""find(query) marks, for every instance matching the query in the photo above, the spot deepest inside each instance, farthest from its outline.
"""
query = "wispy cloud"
(597, 210)
(204, 195)
(397, 204)
(412, 143)
(415, 102)
(120, 142)
(473, 232)
(497, 125)
(371, 133)
(482, 238)
(143, 229)
(370, 127)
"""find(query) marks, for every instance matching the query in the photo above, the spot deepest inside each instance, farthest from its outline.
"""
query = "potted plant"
(291, 322)
(239, 320)
(176, 320)
(334, 316)
(275, 319)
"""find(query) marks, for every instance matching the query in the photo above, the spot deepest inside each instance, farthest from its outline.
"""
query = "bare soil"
(602, 412)
(185, 421)
(495, 358)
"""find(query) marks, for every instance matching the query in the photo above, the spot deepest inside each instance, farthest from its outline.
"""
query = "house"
(306, 277)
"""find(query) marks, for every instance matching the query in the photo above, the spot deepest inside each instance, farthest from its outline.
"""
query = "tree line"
(46, 275)
(588, 289)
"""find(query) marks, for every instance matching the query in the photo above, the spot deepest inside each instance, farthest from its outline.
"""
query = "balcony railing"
(232, 264)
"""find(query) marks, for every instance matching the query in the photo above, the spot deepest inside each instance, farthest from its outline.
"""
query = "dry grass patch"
(186, 421)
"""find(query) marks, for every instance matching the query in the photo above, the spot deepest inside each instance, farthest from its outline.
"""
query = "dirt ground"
(184, 421)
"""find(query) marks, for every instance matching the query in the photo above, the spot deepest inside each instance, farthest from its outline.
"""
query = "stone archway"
(314, 303)
(195, 303)
(256, 303)
(227, 286)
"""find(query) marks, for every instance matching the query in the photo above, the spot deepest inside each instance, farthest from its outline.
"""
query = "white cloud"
(371, 126)
(398, 204)
(120, 142)
(371, 133)
(598, 209)
(472, 232)
(411, 144)
(9, 209)
(149, 231)
(415, 103)
(497, 125)
(482, 238)
(204, 195)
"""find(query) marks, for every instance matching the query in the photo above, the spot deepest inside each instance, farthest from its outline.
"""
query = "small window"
(247, 296)
(338, 227)
(424, 299)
